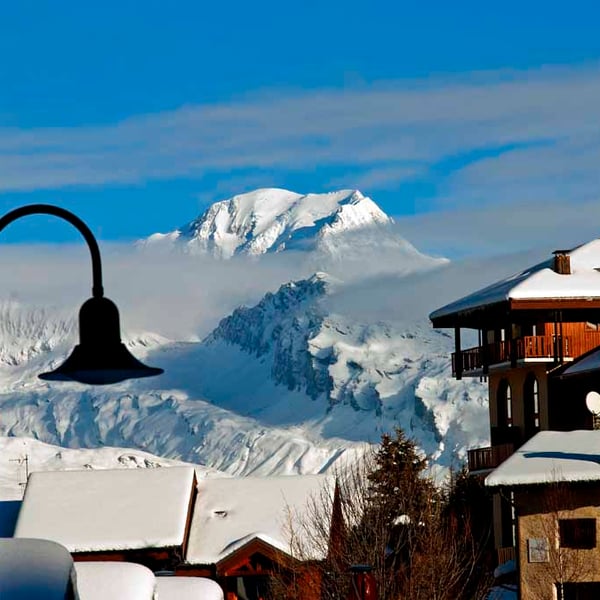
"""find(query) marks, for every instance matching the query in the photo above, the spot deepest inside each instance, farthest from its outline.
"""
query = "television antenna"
(22, 460)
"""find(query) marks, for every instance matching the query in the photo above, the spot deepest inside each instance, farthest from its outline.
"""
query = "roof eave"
(478, 317)
(473, 317)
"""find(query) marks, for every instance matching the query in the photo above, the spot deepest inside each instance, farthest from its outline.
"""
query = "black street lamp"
(100, 357)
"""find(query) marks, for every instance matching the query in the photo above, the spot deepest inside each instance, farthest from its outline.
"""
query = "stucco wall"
(538, 512)
(516, 378)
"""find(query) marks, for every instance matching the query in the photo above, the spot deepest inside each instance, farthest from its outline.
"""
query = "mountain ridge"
(271, 220)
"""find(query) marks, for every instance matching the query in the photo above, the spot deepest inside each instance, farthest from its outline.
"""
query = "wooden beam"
(458, 353)
(561, 344)
(512, 345)
(555, 338)
(554, 303)
(485, 359)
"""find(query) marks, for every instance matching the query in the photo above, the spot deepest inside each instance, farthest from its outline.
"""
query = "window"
(537, 550)
(589, 590)
(504, 404)
(531, 401)
(577, 533)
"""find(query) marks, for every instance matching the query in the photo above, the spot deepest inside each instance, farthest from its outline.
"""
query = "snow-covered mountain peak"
(271, 220)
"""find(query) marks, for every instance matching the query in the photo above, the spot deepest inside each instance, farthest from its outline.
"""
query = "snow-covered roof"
(538, 282)
(229, 513)
(31, 568)
(551, 456)
(188, 588)
(586, 363)
(122, 580)
(91, 510)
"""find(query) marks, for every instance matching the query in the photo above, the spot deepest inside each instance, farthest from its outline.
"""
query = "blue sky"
(138, 115)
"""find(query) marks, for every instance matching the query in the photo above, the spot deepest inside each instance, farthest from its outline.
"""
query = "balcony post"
(562, 339)
(458, 353)
(485, 358)
(556, 341)
(512, 346)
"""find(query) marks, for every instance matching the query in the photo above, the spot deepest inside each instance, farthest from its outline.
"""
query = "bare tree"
(401, 528)
(446, 562)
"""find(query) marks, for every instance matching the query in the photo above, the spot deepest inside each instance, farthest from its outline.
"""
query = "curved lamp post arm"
(49, 209)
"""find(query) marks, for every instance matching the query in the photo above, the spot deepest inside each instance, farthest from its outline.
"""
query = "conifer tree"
(390, 515)
(397, 488)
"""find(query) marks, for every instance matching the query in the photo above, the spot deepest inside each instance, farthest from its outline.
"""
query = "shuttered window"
(577, 533)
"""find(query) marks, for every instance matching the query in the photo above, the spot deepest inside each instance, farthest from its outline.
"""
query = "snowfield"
(23, 455)
(283, 387)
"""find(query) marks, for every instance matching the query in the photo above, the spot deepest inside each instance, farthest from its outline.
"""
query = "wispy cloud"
(377, 178)
(503, 228)
(174, 294)
(551, 117)
(183, 297)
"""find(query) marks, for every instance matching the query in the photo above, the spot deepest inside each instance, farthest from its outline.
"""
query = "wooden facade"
(527, 396)
(258, 567)
(253, 567)
(523, 346)
(571, 341)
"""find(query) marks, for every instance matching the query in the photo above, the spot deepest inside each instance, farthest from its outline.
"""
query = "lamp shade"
(100, 357)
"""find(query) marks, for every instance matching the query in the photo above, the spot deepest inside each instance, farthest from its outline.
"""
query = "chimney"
(562, 262)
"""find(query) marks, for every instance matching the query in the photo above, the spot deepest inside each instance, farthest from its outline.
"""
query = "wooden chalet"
(530, 327)
(239, 532)
(132, 515)
(242, 531)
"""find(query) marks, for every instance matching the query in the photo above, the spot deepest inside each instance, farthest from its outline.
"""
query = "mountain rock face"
(272, 220)
(364, 378)
(28, 331)
(281, 326)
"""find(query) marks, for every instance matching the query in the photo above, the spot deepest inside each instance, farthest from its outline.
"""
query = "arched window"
(531, 401)
(504, 400)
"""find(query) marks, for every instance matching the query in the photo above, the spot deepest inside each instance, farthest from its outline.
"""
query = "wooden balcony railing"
(481, 459)
(527, 347)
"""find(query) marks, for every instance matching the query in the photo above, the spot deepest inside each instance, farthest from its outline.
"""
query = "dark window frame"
(584, 590)
(579, 534)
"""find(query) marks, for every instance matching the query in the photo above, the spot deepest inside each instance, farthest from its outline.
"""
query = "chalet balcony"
(474, 361)
(485, 459)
